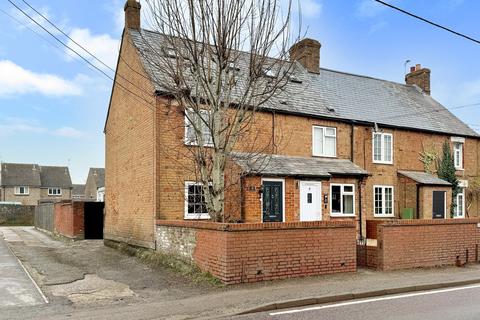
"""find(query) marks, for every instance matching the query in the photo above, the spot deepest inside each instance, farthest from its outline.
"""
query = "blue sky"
(53, 107)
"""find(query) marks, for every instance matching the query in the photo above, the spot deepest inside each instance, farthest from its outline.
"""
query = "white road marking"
(349, 303)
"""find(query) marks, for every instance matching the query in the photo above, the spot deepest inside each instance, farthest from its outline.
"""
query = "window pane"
(388, 200)
(347, 188)
(378, 201)
(330, 143)
(336, 200)
(388, 147)
(377, 147)
(348, 204)
(318, 141)
(330, 131)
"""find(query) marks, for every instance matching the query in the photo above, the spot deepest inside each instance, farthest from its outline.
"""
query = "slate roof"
(78, 190)
(337, 95)
(55, 177)
(424, 178)
(20, 174)
(288, 166)
(98, 175)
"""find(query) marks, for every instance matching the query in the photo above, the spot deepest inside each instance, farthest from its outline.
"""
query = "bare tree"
(221, 61)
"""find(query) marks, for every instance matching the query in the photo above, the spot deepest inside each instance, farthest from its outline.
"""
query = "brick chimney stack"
(307, 52)
(420, 77)
(132, 14)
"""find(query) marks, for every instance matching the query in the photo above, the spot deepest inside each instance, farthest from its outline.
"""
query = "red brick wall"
(251, 252)
(372, 227)
(69, 219)
(425, 243)
(367, 256)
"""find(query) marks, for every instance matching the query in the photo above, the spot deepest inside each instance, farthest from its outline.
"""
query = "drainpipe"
(360, 206)
(417, 214)
(352, 141)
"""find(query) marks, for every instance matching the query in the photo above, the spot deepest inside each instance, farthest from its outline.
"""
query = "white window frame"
(456, 213)
(383, 214)
(314, 151)
(342, 186)
(382, 148)
(460, 155)
(188, 125)
(55, 192)
(26, 191)
(190, 216)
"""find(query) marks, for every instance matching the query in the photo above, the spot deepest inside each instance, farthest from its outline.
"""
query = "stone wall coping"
(232, 227)
(426, 222)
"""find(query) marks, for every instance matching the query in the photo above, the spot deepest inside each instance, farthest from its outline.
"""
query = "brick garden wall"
(406, 244)
(16, 215)
(367, 256)
(251, 252)
(69, 219)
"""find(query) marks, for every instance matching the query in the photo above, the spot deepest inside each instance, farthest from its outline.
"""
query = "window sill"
(384, 216)
(198, 217)
(341, 215)
(21, 195)
(323, 156)
(459, 169)
(381, 162)
(188, 144)
(459, 217)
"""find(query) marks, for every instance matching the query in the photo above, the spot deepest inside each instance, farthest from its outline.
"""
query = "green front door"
(272, 201)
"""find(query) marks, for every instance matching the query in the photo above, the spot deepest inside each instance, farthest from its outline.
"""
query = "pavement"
(16, 287)
(86, 280)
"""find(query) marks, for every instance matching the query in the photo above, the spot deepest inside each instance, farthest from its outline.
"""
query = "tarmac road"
(453, 303)
(16, 287)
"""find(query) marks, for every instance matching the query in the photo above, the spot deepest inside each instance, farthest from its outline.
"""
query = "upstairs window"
(195, 206)
(324, 141)
(342, 200)
(54, 191)
(458, 155)
(202, 121)
(382, 148)
(22, 191)
(383, 201)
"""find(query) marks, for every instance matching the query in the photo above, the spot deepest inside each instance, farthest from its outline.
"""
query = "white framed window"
(324, 141)
(342, 200)
(201, 118)
(383, 201)
(460, 204)
(54, 191)
(195, 206)
(382, 149)
(458, 155)
(22, 191)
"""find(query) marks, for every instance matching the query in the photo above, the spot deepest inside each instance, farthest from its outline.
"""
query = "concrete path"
(16, 287)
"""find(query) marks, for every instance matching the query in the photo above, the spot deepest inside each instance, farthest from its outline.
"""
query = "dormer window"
(269, 73)
(233, 66)
(170, 52)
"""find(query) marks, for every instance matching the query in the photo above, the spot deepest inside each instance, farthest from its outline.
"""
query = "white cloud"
(68, 132)
(11, 125)
(369, 9)
(102, 46)
(16, 80)
(310, 8)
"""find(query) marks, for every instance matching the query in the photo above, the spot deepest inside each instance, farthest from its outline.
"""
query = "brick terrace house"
(31, 183)
(350, 149)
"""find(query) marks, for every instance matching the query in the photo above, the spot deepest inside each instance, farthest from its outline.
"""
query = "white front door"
(310, 201)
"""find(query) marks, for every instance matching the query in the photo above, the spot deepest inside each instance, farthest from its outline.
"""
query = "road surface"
(453, 303)
(16, 287)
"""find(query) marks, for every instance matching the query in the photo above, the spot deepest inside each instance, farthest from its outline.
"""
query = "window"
(324, 141)
(54, 191)
(195, 207)
(201, 119)
(460, 204)
(382, 147)
(383, 201)
(22, 191)
(342, 200)
(458, 155)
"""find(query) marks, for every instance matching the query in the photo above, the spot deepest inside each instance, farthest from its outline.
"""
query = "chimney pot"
(132, 14)
(420, 77)
(307, 53)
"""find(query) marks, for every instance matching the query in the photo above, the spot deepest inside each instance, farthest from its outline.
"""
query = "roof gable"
(20, 174)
